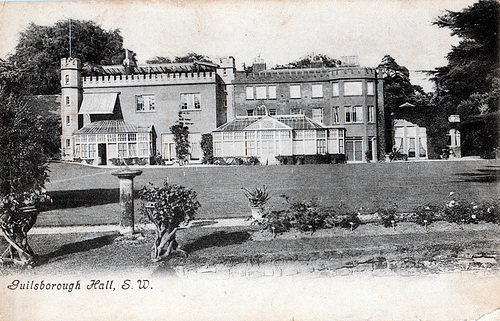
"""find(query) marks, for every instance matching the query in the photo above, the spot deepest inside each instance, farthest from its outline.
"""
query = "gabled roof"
(98, 103)
(266, 123)
(406, 104)
(112, 127)
(278, 122)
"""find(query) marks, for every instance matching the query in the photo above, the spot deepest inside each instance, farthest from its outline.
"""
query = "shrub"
(350, 220)
(425, 215)
(306, 215)
(311, 159)
(488, 212)
(252, 160)
(167, 207)
(388, 216)
(207, 148)
(459, 212)
(157, 160)
(276, 222)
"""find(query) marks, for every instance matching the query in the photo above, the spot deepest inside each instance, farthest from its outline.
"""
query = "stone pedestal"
(126, 177)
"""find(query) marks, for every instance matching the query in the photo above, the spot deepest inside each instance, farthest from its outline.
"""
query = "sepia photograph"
(250, 160)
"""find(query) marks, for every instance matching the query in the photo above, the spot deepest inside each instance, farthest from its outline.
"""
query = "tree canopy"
(23, 157)
(40, 49)
(189, 57)
(398, 90)
(468, 84)
(309, 60)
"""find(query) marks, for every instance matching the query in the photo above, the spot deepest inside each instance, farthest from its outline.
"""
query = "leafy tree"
(40, 49)
(308, 61)
(181, 138)
(468, 84)
(167, 207)
(189, 57)
(397, 91)
(159, 60)
(23, 170)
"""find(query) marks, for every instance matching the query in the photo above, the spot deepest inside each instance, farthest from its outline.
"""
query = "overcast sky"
(278, 31)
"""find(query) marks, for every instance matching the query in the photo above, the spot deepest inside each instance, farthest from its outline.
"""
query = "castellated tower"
(226, 71)
(71, 99)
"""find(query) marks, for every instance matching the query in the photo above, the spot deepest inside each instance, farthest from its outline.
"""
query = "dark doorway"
(101, 152)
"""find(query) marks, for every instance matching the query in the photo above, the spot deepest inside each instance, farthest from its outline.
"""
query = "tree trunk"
(164, 244)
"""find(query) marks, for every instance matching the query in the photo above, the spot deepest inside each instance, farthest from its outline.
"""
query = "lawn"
(89, 195)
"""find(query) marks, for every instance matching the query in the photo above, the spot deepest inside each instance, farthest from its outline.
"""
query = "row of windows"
(240, 136)
(269, 141)
(124, 149)
(261, 92)
(353, 114)
(350, 88)
(146, 103)
(188, 101)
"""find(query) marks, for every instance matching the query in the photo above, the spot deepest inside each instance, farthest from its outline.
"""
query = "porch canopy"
(98, 103)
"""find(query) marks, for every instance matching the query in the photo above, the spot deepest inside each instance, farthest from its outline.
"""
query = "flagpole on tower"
(70, 38)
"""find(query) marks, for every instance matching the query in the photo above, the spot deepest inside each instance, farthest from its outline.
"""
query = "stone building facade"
(350, 98)
(117, 113)
(125, 112)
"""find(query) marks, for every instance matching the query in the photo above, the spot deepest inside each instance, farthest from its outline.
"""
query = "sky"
(277, 31)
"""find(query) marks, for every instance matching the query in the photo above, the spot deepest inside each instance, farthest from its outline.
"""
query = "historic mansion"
(125, 112)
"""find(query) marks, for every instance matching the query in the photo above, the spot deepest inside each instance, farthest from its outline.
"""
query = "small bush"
(425, 215)
(276, 222)
(252, 160)
(207, 148)
(351, 221)
(488, 212)
(307, 215)
(311, 159)
(157, 160)
(389, 216)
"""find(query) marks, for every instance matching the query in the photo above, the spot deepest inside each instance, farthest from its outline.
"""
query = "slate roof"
(197, 66)
(112, 127)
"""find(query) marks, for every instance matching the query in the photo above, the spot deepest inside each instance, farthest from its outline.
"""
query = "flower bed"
(309, 216)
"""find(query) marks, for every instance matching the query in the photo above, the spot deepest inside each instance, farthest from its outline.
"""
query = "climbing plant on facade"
(181, 138)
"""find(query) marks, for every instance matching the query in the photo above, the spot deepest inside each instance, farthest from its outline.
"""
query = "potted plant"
(257, 198)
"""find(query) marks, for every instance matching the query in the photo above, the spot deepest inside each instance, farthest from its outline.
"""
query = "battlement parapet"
(225, 62)
(71, 63)
(149, 79)
(355, 72)
(305, 75)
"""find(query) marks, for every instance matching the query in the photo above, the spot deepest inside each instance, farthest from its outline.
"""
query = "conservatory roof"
(278, 122)
(112, 127)
(299, 122)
